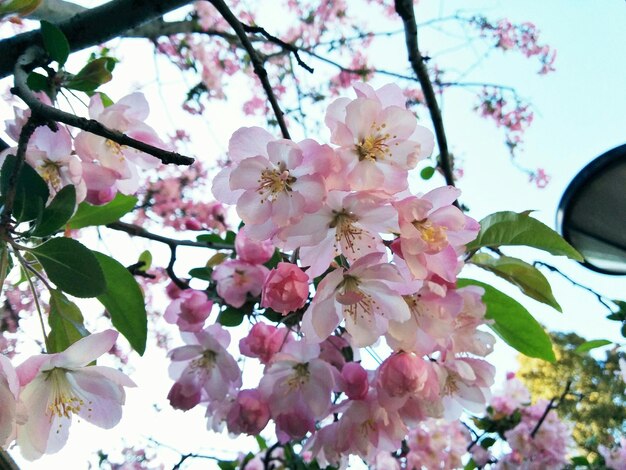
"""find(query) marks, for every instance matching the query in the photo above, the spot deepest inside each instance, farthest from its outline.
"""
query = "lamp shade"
(592, 213)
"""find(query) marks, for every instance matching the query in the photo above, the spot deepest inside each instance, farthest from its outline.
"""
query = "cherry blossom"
(57, 386)
(363, 296)
(189, 311)
(236, 279)
(9, 390)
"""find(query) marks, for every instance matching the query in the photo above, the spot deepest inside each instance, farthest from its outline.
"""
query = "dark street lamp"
(592, 212)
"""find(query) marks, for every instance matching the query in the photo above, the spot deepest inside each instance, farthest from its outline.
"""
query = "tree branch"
(6, 461)
(137, 231)
(279, 42)
(92, 27)
(551, 406)
(404, 8)
(43, 111)
(257, 63)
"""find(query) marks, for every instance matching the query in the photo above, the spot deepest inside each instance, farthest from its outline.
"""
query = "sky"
(579, 115)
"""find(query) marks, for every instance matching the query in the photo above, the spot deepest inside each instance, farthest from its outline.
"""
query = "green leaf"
(513, 323)
(521, 274)
(55, 42)
(427, 173)
(230, 316)
(276, 258)
(88, 214)
(512, 229)
(262, 443)
(92, 75)
(203, 273)
(31, 191)
(124, 301)
(591, 344)
(580, 461)
(470, 465)
(66, 323)
(57, 213)
(146, 258)
(37, 82)
(71, 266)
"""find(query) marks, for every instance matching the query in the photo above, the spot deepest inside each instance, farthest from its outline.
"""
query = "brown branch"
(279, 42)
(31, 57)
(404, 8)
(551, 406)
(257, 63)
(94, 26)
(6, 461)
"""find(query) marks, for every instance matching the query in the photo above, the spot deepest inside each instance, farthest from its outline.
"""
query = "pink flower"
(378, 138)
(348, 224)
(249, 414)
(286, 288)
(437, 444)
(614, 458)
(402, 374)
(297, 383)
(263, 341)
(354, 381)
(9, 389)
(56, 386)
(253, 251)
(189, 310)
(108, 165)
(203, 369)
(274, 182)
(236, 279)
(431, 230)
(365, 296)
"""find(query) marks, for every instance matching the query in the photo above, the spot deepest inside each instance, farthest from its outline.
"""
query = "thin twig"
(577, 284)
(257, 63)
(551, 406)
(279, 42)
(137, 231)
(3, 145)
(31, 57)
(405, 9)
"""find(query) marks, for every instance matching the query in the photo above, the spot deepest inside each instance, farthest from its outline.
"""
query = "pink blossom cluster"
(369, 261)
(437, 444)
(615, 457)
(523, 37)
(97, 167)
(40, 396)
(173, 198)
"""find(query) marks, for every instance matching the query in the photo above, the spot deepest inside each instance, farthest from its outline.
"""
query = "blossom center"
(344, 223)
(51, 173)
(300, 376)
(373, 148)
(64, 400)
(434, 235)
(206, 361)
(275, 181)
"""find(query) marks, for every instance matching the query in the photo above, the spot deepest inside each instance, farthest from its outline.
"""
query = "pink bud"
(402, 374)
(286, 288)
(355, 380)
(249, 414)
(263, 342)
(252, 251)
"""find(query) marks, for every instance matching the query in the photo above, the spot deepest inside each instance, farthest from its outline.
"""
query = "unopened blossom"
(57, 386)
(378, 138)
(431, 232)
(286, 288)
(237, 279)
(263, 341)
(253, 251)
(402, 374)
(189, 311)
(354, 381)
(348, 223)
(365, 296)
(203, 368)
(249, 414)
(9, 389)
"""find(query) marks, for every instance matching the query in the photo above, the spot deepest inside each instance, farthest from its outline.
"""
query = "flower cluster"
(373, 261)
(40, 396)
(523, 37)
(98, 168)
